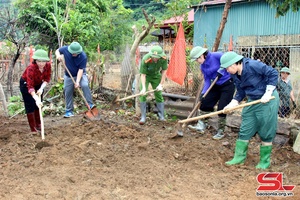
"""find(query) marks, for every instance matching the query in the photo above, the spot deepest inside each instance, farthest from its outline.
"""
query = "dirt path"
(115, 158)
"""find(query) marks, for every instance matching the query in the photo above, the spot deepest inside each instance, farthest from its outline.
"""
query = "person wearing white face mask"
(32, 83)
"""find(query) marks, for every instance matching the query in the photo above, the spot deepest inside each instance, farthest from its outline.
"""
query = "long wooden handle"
(42, 121)
(221, 111)
(196, 107)
(135, 95)
(205, 94)
(80, 92)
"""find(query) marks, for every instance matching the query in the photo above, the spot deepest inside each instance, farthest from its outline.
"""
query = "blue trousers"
(69, 91)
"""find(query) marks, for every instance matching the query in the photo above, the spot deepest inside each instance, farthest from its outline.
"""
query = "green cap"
(40, 54)
(197, 52)
(229, 58)
(157, 52)
(285, 69)
(75, 48)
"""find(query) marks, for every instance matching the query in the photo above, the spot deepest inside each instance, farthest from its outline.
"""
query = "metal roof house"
(254, 28)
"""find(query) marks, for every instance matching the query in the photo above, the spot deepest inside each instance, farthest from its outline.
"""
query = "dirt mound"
(115, 158)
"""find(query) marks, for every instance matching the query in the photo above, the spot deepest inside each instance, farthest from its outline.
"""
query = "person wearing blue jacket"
(75, 60)
(254, 80)
(220, 94)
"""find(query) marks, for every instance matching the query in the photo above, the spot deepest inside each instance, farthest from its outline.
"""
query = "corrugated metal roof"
(216, 2)
(220, 2)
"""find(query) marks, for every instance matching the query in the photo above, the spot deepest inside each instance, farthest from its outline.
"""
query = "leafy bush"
(15, 105)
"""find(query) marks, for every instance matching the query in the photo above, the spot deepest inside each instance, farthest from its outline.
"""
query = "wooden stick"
(221, 111)
(42, 121)
(196, 107)
(135, 95)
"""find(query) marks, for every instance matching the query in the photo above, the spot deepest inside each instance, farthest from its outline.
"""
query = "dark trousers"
(221, 94)
(29, 102)
(284, 111)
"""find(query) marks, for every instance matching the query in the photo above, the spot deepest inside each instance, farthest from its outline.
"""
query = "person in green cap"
(153, 71)
(32, 83)
(221, 92)
(75, 60)
(286, 93)
(254, 80)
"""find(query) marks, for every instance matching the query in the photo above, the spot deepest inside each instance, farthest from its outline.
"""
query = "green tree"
(12, 31)
(283, 6)
(88, 22)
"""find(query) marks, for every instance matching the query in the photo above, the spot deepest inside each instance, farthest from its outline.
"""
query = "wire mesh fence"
(114, 75)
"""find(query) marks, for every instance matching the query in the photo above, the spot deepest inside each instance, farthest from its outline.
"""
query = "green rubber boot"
(240, 153)
(265, 157)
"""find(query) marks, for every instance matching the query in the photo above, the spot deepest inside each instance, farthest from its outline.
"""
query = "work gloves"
(37, 100)
(233, 103)
(159, 87)
(268, 94)
(41, 90)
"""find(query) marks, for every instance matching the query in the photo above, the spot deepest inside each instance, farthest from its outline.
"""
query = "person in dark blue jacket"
(75, 60)
(254, 80)
(220, 94)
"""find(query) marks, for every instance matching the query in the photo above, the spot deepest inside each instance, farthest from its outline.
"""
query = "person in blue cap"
(254, 80)
(220, 94)
(75, 60)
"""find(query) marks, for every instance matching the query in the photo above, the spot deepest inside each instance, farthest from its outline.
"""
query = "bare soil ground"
(116, 158)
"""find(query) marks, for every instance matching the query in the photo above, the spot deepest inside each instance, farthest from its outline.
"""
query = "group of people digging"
(237, 78)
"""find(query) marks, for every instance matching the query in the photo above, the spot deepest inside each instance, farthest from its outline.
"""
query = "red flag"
(177, 66)
(230, 46)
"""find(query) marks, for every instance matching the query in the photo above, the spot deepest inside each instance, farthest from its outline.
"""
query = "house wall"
(249, 23)
(256, 33)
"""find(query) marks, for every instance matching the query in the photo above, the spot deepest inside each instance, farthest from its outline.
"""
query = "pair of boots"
(201, 126)
(160, 108)
(34, 121)
(240, 155)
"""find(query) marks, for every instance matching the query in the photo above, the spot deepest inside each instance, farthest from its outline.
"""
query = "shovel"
(92, 113)
(221, 111)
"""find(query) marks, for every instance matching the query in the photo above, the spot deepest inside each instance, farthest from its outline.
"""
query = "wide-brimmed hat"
(285, 69)
(75, 48)
(157, 52)
(40, 54)
(197, 52)
(229, 58)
